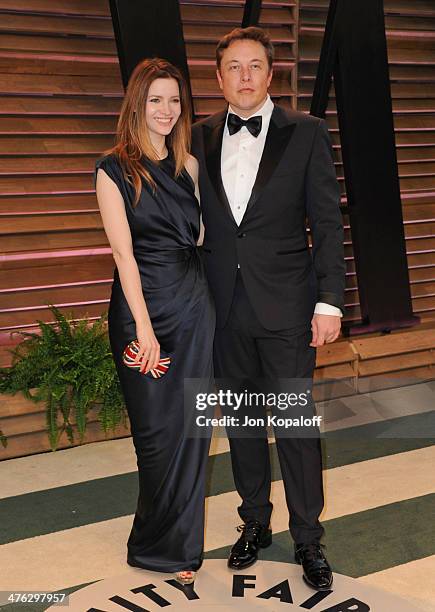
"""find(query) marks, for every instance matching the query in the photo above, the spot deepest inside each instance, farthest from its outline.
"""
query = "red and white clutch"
(129, 355)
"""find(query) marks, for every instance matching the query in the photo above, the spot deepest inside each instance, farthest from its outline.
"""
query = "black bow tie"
(235, 123)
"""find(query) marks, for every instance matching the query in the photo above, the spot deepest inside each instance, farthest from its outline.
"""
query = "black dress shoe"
(317, 572)
(244, 553)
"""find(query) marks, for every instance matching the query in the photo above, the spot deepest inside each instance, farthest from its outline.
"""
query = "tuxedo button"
(241, 235)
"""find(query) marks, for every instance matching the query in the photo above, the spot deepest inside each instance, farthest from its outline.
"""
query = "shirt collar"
(265, 111)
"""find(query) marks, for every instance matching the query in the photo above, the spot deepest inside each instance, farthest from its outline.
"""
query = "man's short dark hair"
(251, 33)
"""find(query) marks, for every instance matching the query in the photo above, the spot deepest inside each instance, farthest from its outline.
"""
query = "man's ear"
(219, 78)
(269, 78)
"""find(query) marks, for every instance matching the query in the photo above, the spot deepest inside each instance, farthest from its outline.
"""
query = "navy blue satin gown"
(168, 528)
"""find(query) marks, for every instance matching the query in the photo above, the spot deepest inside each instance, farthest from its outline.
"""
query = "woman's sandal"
(185, 577)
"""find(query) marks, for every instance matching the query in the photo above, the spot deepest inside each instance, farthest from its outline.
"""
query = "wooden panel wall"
(410, 27)
(60, 92)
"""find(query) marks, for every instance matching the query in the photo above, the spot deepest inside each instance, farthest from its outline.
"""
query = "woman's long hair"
(132, 138)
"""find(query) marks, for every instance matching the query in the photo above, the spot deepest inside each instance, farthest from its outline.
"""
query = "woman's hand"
(149, 353)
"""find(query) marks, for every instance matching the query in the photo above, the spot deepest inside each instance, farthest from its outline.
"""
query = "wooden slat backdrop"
(410, 26)
(61, 92)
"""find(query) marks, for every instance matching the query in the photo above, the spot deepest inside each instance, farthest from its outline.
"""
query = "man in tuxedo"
(265, 171)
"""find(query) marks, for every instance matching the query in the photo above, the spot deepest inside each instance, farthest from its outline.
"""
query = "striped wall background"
(60, 93)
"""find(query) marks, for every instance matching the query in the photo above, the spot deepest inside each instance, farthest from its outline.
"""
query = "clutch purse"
(129, 355)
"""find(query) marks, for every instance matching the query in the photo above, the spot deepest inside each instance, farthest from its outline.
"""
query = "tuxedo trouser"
(245, 353)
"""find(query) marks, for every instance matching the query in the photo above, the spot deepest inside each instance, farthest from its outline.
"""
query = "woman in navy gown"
(146, 193)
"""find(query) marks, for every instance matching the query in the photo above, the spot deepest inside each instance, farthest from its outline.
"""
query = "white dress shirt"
(240, 159)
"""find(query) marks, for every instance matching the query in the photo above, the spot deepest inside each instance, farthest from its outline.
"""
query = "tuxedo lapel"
(213, 135)
(280, 131)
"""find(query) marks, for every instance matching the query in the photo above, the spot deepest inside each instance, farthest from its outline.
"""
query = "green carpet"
(66, 507)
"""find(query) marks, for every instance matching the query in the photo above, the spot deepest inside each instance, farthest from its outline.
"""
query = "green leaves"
(69, 366)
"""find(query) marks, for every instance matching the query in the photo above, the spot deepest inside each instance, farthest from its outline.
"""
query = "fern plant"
(69, 366)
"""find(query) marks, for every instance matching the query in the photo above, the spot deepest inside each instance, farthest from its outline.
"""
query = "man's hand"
(325, 328)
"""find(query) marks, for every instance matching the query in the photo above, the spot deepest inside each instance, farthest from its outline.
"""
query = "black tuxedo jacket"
(296, 182)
